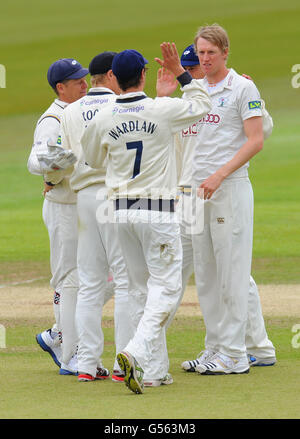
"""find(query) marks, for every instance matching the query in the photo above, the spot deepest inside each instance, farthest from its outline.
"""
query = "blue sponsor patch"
(254, 104)
(58, 140)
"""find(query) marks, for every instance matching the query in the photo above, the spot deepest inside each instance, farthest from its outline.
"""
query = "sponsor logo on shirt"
(254, 104)
(210, 118)
(95, 101)
(136, 109)
(193, 129)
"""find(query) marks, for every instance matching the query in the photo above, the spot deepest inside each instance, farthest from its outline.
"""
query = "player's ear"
(59, 88)
(110, 74)
(225, 53)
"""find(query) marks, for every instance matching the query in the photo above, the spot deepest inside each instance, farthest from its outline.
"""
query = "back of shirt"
(75, 119)
(137, 136)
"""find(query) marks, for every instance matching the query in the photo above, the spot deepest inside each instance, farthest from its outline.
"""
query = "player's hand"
(210, 185)
(166, 82)
(171, 60)
(47, 188)
(247, 76)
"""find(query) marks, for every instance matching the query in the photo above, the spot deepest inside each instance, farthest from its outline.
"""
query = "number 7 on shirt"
(138, 145)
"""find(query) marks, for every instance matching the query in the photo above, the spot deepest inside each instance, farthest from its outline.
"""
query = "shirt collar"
(228, 82)
(132, 95)
(100, 90)
(60, 103)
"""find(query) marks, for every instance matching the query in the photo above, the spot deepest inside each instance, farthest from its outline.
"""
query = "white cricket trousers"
(99, 254)
(61, 222)
(222, 258)
(152, 250)
(257, 341)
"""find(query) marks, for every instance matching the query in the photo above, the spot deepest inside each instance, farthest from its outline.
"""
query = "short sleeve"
(249, 103)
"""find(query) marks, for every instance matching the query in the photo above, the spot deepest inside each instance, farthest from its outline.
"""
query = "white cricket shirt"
(220, 134)
(136, 134)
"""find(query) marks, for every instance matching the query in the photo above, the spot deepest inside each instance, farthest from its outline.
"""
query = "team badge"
(223, 101)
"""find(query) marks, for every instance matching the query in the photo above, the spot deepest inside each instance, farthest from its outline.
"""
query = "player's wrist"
(222, 173)
(184, 78)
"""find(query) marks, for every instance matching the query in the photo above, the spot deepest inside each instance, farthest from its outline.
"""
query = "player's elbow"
(33, 167)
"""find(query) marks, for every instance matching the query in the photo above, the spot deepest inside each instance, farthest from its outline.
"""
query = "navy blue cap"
(189, 57)
(128, 64)
(65, 68)
(101, 63)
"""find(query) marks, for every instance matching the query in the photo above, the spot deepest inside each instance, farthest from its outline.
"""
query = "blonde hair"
(215, 34)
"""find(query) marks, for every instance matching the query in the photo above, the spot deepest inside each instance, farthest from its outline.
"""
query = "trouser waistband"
(145, 204)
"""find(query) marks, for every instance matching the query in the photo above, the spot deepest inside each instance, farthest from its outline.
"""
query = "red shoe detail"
(85, 377)
(117, 378)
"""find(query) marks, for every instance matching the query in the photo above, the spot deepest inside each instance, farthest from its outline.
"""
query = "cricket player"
(225, 141)
(98, 247)
(67, 79)
(260, 349)
(135, 136)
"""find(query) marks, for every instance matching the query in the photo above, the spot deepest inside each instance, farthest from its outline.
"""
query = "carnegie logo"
(120, 110)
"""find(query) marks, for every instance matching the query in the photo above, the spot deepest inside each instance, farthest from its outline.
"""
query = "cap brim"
(79, 74)
(189, 63)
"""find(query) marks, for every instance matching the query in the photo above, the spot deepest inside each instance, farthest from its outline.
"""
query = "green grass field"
(264, 44)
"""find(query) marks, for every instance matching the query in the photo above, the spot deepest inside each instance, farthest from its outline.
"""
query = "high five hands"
(170, 68)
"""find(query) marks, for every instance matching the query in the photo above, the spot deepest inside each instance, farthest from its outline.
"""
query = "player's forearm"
(197, 94)
(39, 147)
(248, 150)
(92, 148)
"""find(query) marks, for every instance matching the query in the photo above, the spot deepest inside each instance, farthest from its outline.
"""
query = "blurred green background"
(264, 38)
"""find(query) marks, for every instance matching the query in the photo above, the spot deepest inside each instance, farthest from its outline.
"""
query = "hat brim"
(189, 63)
(79, 74)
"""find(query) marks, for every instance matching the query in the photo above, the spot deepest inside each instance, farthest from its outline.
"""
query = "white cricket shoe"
(190, 365)
(167, 379)
(256, 361)
(71, 368)
(50, 342)
(221, 364)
